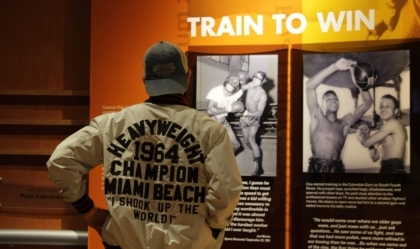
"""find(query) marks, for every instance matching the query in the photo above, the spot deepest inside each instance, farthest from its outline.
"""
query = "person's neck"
(168, 99)
(331, 116)
(388, 119)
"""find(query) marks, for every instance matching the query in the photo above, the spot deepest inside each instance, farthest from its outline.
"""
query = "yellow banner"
(267, 22)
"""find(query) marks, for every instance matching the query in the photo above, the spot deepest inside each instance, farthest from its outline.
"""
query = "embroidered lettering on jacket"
(154, 177)
(159, 128)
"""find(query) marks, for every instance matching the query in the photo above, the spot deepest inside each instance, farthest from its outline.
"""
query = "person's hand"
(344, 64)
(363, 132)
(97, 219)
(372, 80)
(245, 113)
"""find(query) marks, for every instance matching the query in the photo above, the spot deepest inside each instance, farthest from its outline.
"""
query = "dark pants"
(110, 247)
(392, 165)
(318, 165)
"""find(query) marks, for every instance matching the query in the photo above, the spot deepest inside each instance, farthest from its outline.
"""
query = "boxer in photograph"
(328, 132)
(392, 136)
(255, 102)
(223, 100)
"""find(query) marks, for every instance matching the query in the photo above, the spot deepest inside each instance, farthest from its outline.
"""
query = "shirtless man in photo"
(328, 132)
(392, 136)
(220, 100)
(255, 102)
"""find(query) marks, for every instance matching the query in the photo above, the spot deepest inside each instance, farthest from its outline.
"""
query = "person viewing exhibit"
(170, 175)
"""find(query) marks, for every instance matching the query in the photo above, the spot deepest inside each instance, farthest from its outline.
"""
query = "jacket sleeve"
(225, 182)
(73, 158)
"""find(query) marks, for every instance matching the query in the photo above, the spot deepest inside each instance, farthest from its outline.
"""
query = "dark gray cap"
(166, 68)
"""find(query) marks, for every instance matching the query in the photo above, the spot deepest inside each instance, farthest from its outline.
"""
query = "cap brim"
(156, 87)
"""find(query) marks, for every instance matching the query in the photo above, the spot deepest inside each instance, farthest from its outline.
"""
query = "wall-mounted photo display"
(356, 112)
(240, 92)
(354, 173)
(247, 94)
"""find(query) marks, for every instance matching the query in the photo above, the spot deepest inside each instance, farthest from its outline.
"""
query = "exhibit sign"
(344, 95)
(301, 22)
(356, 181)
(230, 88)
(36, 196)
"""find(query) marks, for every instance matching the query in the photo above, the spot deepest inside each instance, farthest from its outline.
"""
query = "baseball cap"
(166, 68)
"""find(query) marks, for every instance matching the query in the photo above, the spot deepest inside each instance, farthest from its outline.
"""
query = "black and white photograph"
(240, 92)
(356, 116)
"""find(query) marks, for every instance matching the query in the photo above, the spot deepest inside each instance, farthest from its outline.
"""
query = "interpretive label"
(17, 194)
(352, 195)
(332, 233)
(249, 215)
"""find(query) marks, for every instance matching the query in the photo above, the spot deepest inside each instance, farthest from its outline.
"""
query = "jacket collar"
(169, 99)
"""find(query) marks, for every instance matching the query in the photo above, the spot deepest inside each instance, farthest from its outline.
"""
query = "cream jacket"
(169, 175)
